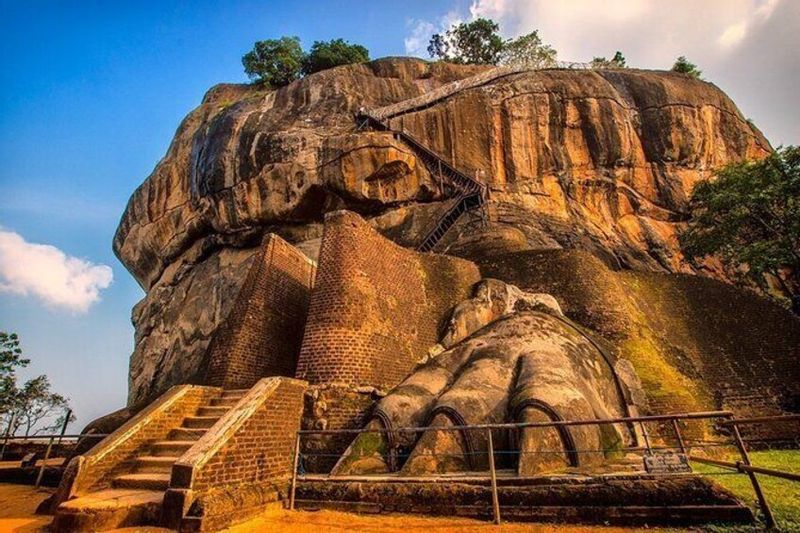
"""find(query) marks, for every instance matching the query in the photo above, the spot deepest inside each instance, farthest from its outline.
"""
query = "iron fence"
(660, 445)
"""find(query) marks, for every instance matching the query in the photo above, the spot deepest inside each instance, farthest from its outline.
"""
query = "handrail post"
(7, 435)
(769, 519)
(677, 429)
(64, 425)
(646, 438)
(44, 463)
(294, 471)
(495, 499)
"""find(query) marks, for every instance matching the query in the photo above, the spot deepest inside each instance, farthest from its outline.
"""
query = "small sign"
(667, 463)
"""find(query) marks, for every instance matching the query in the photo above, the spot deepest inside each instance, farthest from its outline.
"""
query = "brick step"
(170, 447)
(145, 481)
(223, 402)
(234, 393)
(155, 463)
(216, 411)
(199, 422)
(109, 509)
(184, 433)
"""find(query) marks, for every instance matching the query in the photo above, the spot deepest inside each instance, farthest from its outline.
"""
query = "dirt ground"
(17, 506)
(335, 522)
(18, 503)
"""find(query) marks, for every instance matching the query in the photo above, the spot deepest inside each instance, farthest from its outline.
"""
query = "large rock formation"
(597, 160)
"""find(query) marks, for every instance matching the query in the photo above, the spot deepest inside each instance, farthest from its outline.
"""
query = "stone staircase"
(152, 469)
(134, 496)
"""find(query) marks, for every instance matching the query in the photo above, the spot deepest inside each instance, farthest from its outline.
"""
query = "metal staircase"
(470, 194)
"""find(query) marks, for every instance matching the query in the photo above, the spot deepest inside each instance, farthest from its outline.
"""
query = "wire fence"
(650, 446)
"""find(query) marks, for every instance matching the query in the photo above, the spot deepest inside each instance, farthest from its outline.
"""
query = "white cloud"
(416, 43)
(735, 33)
(48, 273)
(717, 35)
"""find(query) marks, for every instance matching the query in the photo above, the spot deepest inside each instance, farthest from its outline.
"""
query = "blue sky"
(92, 92)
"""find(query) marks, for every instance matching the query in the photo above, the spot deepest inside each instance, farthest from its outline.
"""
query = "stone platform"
(626, 499)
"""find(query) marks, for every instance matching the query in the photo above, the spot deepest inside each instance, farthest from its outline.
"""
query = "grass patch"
(782, 495)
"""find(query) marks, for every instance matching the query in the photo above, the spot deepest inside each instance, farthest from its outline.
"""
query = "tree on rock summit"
(684, 66)
(328, 54)
(479, 43)
(276, 62)
(476, 42)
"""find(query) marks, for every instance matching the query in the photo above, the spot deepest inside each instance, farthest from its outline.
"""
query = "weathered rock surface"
(521, 365)
(598, 160)
(492, 300)
(695, 343)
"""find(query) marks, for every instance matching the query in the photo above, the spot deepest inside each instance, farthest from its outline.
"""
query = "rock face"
(697, 344)
(597, 160)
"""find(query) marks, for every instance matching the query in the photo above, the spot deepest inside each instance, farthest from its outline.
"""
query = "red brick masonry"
(242, 463)
(261, 336)
(376, 307)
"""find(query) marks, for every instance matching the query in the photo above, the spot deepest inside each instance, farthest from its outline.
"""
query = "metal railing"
(668, 441)
(51, 439)
(471, 193)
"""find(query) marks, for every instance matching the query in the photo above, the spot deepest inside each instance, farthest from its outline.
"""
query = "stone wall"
(261, 336)
(333, 407)
(377, 307)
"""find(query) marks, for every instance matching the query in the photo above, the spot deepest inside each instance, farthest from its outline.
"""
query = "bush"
(684, 66)
(324, 55)
(618, 61)
(276, 62)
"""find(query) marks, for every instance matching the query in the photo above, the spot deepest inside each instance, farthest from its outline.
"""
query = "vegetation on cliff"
(278, 62)
(479, 43)
(750, 217)
(618, 61)
(684, 66)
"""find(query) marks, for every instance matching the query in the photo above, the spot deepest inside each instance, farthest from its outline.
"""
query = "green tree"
(476, 42)
(618, 61)
(36, 403)
(684, 66)
(749, 216)
(28, 406)
(275, 62)
(10, 359)
(328, 54)
(528, 51)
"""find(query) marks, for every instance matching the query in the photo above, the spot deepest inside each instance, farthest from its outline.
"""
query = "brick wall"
(261, 336)
(243, 461)
(376, 307)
